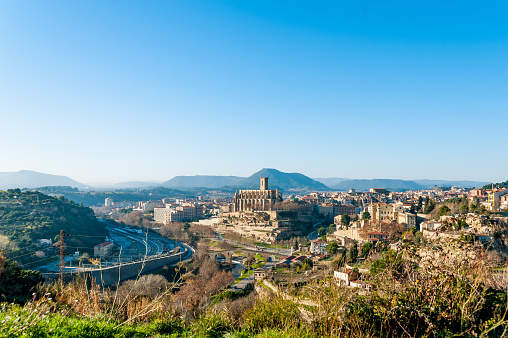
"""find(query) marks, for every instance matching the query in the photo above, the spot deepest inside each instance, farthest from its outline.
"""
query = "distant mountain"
(429, 184)
(201, 181)
(283, 181)
(388, 184)
(33, 179)
(331, 181)
(136, 184)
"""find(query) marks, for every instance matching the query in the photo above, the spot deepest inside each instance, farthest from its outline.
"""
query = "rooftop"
(104, 244)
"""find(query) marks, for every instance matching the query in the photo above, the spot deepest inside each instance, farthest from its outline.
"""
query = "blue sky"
(110, 91)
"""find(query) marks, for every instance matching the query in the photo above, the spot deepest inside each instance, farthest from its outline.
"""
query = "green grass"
(214, 243)
(242, 277)
(20, 322)
(249, 273)
(270, 246)
(258, 265)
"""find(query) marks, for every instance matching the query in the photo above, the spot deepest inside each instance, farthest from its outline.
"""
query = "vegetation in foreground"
(436, 290)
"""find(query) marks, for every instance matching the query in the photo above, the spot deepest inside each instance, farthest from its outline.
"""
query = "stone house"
(377, 236)
(259, 274)
(345, 276)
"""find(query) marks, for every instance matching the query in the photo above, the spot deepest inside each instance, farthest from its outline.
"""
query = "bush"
(273, 313)
(213, 325)
(16, 284)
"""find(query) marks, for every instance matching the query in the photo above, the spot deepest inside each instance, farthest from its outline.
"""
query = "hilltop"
(32, 179)
(429, 184)
(278, 180)
(282, 181)
(201, 181)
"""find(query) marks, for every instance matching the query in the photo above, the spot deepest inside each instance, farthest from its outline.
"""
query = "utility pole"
(61, 244)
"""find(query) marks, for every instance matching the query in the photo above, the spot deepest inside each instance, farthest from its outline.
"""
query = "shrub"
(273, 313)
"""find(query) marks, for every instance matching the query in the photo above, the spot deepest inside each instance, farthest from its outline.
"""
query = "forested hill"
(29, 216)
(90, 198)
(502, 185)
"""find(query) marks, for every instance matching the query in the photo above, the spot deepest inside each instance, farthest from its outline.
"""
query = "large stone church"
(259, 200)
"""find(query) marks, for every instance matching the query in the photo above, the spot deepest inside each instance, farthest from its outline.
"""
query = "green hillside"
(26, 217)
(90, 198)
(502, 185)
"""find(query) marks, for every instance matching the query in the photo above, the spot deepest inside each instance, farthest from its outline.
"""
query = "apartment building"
(495, 198)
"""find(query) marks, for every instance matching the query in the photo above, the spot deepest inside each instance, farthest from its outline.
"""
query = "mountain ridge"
(201, 181)
(388, 184)
(282, 181)
(33, 179)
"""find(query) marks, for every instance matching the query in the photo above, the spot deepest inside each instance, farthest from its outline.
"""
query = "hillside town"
(318, 227)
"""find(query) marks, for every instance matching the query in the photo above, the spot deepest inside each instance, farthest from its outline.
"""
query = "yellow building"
(495, 198)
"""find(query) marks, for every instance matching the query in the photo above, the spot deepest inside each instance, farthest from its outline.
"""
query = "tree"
(16, 284)
(420, 204)
(307, 263)
(321, 231)
(332, 248)
(345, 219)
(366, 215)
(472, 207)
(443, 210)
(339, 262)
(482, 209)
(331, 229)
(430, 204)
(464, 208)
(412, 210)
(353, 253)
(366, 250)
(295, 247)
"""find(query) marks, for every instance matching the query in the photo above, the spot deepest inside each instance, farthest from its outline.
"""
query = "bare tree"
(208, 268)
(148, 285)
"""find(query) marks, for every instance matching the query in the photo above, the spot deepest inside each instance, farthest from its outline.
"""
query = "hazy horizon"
(103, 184)
(124, 91)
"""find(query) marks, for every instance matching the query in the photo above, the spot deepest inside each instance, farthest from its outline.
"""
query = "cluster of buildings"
(493, 199)
(179, 212)
(399, 212)
(170, 210)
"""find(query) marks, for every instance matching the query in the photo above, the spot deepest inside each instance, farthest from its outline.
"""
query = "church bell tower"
(264, 184)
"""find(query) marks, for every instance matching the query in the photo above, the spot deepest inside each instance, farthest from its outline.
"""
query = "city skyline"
(124, 91)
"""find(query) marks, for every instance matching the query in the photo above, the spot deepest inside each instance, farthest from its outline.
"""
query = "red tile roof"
(377, 233)
(104, 244)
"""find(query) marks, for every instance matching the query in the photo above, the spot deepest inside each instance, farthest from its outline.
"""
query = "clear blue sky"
(109, 91)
